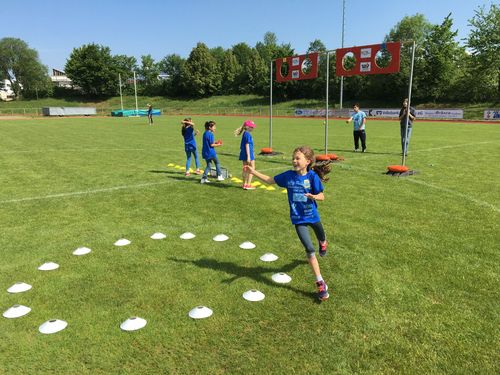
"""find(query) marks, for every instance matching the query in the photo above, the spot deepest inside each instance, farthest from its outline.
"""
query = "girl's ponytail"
(239, 130)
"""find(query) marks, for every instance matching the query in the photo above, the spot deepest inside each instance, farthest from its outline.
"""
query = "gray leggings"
(305, 238)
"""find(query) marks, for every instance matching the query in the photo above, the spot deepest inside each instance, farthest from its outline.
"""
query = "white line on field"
(368, 156)
(84, 192)
(462, 195)
(74, 150)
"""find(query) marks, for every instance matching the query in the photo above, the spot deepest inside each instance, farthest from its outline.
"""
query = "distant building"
(60, 79)
(6, 92)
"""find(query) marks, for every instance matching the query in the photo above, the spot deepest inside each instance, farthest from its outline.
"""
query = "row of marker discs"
(135, 323)
(255, 184)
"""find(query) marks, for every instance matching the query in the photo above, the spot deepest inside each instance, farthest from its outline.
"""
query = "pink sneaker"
(322, 248)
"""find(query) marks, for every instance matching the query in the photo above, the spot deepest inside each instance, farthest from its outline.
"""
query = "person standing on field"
(406, 130)
(150, 114)
(359, 120)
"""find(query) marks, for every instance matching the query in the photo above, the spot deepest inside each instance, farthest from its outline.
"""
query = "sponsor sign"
(391, 113)
(299, 67)
(492, 114)
(364, 59)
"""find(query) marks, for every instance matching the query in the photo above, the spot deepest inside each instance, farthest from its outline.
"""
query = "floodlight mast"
(271, 105)
(405, 139)
(135, 90)
(342, 77)
(120, 83)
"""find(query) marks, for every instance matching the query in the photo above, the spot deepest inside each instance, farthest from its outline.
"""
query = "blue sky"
(159, 28)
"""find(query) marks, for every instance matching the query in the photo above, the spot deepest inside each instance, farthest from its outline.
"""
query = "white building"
(60, 79)
(6, 92)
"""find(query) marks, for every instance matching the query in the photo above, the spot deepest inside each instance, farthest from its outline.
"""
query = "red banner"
(373, 59)
(295, 68)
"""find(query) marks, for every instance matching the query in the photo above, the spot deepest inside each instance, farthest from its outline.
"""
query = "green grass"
(219, 105)
(413, 266)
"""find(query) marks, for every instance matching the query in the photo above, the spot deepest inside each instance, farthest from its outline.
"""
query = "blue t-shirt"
(207, 151)
(189, 141)
(357, 119)
(246, 138)
(302, 209)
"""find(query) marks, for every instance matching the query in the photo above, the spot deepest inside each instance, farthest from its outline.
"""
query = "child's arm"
(316, 197)
(247, 148)
(268, 180)
(348, 121)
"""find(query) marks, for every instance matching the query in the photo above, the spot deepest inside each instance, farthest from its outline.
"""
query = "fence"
(250, 111)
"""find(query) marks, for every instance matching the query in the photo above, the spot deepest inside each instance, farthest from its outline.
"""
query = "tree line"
(445, 70)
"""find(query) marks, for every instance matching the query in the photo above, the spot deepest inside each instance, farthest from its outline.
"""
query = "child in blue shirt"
(359, 132)
(208, 152)
(150, 114)
(304, 188)
(246, 151)
(188, 132)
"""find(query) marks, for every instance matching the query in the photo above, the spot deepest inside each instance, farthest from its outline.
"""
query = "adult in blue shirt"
(359, 120)
(406, 135)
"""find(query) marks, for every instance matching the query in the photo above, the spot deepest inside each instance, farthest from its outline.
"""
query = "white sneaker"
(204, 181)
(220, 178)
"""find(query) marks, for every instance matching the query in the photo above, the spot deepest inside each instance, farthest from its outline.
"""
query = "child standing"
(246, 151)
(208, 152)
(150, 114)
(359, 132)
(304, 188)
(188, 132)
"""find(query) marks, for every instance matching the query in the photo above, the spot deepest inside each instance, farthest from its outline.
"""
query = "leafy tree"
(395, 86)
(93, 69)
(201, 74)
(231, 69)
(441, 54)
(148, 73)
(484, 44)
(173, 66)
(21, 66)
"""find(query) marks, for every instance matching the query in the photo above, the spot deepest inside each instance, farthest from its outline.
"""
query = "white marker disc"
(122, 242)
(16, 311)
(281, 278)
(253, 295)
(49, 266)
(52, 326)
(133, 324)
(247, 245)
(220, 238)
(19, 288)
(187, 236)
(269, 257)
(200, 312)
(158, 236)
(82, 251)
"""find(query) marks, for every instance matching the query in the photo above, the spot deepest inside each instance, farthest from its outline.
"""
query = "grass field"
(413, 266)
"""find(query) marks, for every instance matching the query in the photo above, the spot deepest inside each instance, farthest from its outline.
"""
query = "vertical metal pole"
(136, 105)
(327, 98)
(271, 104)
(342, 77)
(405, 140)
(120, 83)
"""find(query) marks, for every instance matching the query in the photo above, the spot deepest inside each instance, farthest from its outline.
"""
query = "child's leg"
(249, 177)
(196, 160)
(362, 135)
(244, 173)
(319, 231)
(356, 139)
(217, 166)
(303, 233)
(188, 160)
(207, 169)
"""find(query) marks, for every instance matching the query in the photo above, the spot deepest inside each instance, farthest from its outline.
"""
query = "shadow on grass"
(195, 179)
(254, 273)
(351, 151)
